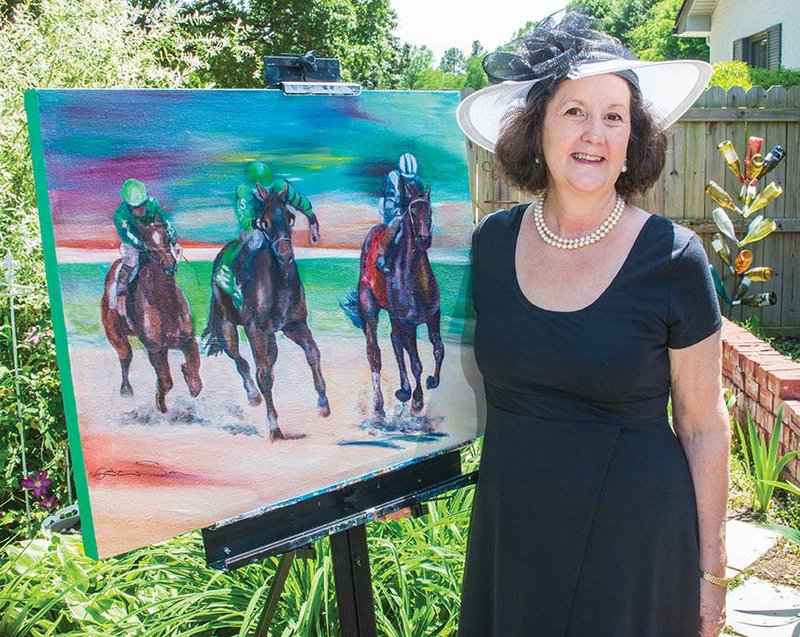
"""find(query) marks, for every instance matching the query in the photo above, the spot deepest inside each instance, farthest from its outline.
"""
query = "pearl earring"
(536, 161)
(624, 166)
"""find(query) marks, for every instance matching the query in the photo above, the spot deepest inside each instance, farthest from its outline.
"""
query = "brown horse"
(273, 300)
(158, 315)
(409, 293)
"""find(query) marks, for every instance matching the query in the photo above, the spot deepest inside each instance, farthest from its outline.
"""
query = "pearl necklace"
(551, 238)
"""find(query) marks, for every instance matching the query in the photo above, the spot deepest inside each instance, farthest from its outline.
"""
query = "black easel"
(342, 515)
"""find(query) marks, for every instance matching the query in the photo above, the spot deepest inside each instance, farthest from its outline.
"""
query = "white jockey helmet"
(407, 165)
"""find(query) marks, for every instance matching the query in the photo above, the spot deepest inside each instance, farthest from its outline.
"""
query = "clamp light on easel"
(306, 75)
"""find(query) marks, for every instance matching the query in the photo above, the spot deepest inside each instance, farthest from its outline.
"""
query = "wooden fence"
(693, 160)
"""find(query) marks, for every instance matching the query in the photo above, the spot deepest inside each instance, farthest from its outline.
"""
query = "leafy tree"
(644, 26)
(653, 39)
(357, 32)
(476, 77)
(63, 44)
(477, 49)
(416, 62)
(453, 61)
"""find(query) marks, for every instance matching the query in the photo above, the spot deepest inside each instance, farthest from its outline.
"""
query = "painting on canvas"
(257, 297)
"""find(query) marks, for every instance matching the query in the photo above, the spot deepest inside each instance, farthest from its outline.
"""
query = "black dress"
(584, 522)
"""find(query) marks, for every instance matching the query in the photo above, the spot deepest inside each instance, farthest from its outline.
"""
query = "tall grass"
(49, 587)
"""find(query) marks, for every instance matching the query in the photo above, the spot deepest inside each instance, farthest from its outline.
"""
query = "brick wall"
(762, 379)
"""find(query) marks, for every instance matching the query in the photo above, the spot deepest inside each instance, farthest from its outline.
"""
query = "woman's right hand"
(712, 609)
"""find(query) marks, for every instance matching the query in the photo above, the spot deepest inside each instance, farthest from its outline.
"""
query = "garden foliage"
(55, 44)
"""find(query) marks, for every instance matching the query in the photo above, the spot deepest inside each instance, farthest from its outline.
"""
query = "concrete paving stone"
(763, 609)
(746, 543)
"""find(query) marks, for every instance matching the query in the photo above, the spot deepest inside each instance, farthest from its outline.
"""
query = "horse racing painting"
(257, 298)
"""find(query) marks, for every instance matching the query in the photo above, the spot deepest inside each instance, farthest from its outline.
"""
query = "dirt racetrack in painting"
(210, 458)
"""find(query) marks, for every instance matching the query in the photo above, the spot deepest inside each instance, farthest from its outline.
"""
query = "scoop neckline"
(518, 223)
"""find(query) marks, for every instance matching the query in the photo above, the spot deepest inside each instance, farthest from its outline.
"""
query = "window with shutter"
(774, 47)
(762, 49)
(738, 47)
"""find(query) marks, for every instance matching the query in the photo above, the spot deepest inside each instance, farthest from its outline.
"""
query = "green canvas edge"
(59, 325)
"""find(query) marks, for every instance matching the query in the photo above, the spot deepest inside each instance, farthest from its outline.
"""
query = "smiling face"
(585, 133)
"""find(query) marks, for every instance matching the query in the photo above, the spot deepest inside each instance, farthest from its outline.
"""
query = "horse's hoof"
(417, 407)
(403, 395)
(193, 381)
(323, 407)
(162, 406)
(431, 382)
(254, 400)
(276, 434)
(126, 390)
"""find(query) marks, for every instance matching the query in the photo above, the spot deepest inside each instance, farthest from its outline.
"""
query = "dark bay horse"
(273, 300)
(409, 293)
(158, 315)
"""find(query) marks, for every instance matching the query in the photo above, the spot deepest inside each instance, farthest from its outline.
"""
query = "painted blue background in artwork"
(191, 148)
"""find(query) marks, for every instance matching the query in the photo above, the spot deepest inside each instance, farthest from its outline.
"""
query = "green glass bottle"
(718, 285)
(724, 223)
(722, 249)
(765, 228)
(762, 299)
(741, 289)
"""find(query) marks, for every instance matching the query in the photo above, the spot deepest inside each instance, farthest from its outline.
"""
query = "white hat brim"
(668, 88)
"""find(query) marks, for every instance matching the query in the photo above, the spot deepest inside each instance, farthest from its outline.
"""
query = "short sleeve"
(693, 307)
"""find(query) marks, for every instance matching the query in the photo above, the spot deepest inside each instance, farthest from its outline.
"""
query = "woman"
(592, 517)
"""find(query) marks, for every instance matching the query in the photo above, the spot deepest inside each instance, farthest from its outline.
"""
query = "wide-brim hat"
(568, 45)
(668, 89)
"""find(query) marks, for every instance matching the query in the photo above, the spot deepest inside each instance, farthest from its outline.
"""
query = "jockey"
(247, 211)
(137, 209)
(392, 204)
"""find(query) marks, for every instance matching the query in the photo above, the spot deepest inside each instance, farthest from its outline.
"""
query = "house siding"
(736, 19)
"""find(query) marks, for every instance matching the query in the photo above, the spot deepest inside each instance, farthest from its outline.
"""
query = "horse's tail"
(211, 339)
(350, 306)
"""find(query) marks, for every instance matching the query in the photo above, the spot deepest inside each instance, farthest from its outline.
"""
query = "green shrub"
(729, 74)
(62, 44)
(777, 77)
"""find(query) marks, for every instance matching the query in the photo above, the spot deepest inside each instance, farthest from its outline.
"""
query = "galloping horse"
(158, 315)
(409, 292)
(273, 300)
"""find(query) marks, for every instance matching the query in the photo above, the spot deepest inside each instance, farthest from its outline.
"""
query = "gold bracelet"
(719, 581)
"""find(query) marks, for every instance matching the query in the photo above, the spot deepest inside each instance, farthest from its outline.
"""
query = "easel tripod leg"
(353, 582)
(275, 593)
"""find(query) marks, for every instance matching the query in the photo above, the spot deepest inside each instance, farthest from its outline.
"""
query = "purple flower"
(38, 484)
(49, 503)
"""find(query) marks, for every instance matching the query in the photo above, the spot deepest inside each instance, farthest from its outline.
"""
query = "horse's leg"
(301, 334)
(160, 362)
(435, 335)
(191, 366)
(265, 352)
(230, 339)
(368, 308)
(409, 335)
(117, 336)
(404, 393)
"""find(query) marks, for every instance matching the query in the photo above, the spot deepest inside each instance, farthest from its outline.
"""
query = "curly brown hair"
(520, 146)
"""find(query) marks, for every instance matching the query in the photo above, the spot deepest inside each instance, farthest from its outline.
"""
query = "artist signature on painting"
(141, 469)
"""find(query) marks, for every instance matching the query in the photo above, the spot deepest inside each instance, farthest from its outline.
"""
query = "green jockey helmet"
(133, 193)
(259, 173)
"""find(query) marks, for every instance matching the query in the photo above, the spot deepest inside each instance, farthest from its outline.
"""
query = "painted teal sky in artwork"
(191, 149)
